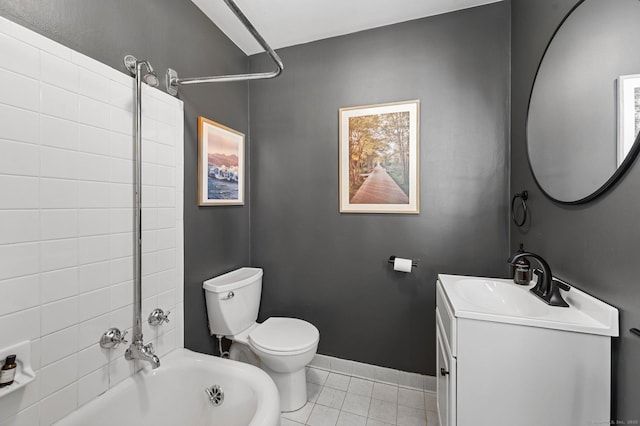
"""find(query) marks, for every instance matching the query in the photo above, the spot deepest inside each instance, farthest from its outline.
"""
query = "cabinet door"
(445, 385)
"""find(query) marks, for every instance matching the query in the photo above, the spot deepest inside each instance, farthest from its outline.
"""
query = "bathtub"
(174, 394)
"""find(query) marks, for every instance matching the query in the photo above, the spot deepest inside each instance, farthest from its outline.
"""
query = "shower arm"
(172, 80)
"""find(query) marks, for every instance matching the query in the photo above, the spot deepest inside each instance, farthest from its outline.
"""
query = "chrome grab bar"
(172, 81)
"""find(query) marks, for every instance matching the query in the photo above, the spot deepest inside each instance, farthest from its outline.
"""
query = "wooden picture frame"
(379, 164)
(221, 167)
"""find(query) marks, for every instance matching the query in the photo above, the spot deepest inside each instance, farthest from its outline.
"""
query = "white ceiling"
(285, 23)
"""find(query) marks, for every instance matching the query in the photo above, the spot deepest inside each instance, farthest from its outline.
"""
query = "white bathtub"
(174, 395)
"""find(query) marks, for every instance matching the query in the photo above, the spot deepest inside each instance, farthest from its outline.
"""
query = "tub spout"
(138, 350)
(155, 361)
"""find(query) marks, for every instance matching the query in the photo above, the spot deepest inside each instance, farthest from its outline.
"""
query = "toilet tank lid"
(232, 280)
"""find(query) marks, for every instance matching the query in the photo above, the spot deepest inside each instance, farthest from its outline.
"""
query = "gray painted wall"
(593, 246)
(330, 268)
(170, 34)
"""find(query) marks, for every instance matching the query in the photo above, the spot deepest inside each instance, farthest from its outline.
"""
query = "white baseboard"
(376, 373)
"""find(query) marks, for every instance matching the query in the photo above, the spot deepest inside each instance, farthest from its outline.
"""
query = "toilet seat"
(285, 336)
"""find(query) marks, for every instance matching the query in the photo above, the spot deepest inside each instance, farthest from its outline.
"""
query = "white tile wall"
(66, 220)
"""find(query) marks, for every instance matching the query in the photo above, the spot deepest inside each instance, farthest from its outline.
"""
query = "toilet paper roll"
(402, 265)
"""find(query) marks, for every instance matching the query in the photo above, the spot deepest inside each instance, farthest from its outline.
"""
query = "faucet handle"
(112, 338)
(158, 317)
(563, 285)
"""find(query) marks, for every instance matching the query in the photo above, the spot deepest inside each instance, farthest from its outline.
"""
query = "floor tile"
(408, 416)
(323, 416)
(349, 419)
(411, 398)
(336, 399)
(383, 410)
(286, 422)
(385, 392)
(301, 415)
(313, 390)
(374, 422)
(360, 386)
(356, 404)
(430, 401)
(330, 397)
(317, 376)
(432, 418)
(338, 381)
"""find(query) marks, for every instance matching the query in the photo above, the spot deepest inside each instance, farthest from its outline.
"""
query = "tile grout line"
(424, 406)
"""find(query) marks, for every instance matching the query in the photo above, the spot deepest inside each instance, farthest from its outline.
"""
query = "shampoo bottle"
(522, 270)
(8, 371)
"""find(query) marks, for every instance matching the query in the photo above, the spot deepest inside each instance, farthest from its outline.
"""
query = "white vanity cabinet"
(496, 369)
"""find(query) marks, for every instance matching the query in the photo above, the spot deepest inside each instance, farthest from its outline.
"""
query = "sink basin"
(501, 300)
(500, 297)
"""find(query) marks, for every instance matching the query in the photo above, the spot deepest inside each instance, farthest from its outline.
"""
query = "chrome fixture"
(547, 287)
(134, 66)
(172, 81)
(215, 394)
(144, 352)
(158, 317)
(223, 354)
(112, 338)
(137, 349)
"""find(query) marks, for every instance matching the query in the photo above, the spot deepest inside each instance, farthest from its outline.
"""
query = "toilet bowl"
(282, 347)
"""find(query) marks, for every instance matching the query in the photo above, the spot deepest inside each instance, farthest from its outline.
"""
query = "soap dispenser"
(522, 269)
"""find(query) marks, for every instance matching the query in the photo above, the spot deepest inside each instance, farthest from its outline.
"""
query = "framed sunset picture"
(221, 168)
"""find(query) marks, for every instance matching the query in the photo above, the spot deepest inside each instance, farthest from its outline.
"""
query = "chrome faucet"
(138, 350)
(547, 288)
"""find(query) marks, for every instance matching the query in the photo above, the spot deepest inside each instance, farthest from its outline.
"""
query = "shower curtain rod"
(172, 80)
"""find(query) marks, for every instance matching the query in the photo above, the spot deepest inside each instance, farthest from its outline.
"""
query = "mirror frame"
(622, 168)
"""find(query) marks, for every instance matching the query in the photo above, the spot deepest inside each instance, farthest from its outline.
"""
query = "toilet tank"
(233, 300)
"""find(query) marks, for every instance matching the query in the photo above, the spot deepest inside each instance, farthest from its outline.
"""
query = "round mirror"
(584, 109)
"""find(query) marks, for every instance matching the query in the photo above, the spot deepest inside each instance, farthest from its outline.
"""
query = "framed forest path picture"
(379, 158)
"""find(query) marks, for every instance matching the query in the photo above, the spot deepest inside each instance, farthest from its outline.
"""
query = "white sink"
(499, 297)
(501, 300)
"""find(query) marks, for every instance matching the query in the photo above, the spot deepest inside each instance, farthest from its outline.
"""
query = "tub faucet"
(546, 288)
(138, 350)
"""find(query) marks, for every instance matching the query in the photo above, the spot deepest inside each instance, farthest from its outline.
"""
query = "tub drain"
(215, 394)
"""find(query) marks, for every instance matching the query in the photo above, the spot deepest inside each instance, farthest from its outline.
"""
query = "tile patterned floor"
(342, 400)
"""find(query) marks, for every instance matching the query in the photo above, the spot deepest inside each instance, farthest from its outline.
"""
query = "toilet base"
(291, 386)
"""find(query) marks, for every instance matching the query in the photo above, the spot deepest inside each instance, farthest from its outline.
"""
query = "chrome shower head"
(151, 79)
(134, 66)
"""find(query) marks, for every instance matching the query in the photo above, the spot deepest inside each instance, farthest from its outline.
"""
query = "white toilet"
(283, 346)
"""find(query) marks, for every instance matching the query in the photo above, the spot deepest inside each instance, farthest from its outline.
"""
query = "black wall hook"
(635, 331)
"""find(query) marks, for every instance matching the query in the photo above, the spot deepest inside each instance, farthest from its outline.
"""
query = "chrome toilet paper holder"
(392, 259)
